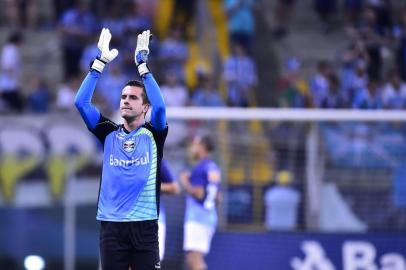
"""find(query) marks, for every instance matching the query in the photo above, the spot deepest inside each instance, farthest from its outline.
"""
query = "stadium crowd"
(77, 24)
(369, 74)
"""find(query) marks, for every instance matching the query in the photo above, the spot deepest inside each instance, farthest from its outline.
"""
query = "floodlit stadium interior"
(304, 100)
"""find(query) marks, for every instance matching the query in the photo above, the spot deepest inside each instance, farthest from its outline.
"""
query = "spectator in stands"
(173, 91)
(39, 98)
(353, 10)
(175, 94)
(140, 16)
(206, 94)
(114, 20)
(394, 92)
(400, 37)
(60, 6)
(240, 74)
(353, 58)
(66, 92)
(325, 9)
(148, 8)
(335, 98)
(383, 12)
(282, 204)
(282, 14)
(77, 26)
(369, 97)
(293, 90)
(373, 36)
(319, 84)
(173, 53)
(359, 80)
(241, 23)
(183, 16)
(23, 13)
(10, 72)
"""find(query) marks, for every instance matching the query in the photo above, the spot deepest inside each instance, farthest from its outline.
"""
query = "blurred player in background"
(129, 193)
(168, 186)
(202, 186)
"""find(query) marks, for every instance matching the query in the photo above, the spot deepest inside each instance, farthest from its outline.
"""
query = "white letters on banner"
(356, 255)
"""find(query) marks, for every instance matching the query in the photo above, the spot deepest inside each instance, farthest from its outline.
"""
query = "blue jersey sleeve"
(198, 176)
(166, 173)
(158, 113)
(87, 110)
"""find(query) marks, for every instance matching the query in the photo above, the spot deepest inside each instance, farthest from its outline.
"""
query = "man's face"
(131, 103)
(196, 148)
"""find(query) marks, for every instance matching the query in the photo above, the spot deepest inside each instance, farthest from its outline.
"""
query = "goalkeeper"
(128, 204)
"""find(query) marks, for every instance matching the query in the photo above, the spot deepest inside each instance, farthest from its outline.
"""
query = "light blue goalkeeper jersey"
(130, 181)
(129, 185)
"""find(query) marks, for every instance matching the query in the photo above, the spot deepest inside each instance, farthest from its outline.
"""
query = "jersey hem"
(123, 220)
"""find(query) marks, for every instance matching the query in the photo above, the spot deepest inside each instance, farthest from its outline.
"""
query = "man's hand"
(196, 192)
(142, 51)
(105, 54)
(184, 179)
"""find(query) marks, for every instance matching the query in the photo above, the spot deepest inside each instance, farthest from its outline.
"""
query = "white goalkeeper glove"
(105, 54)
(141, 52)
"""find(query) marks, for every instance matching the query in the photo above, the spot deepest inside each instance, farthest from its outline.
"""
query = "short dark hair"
(207, 142)
(138, 83)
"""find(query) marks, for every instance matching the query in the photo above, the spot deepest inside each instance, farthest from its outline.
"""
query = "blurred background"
(305, 100)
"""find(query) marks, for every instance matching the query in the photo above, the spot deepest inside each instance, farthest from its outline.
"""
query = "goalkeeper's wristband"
(98, 65)
(143, 69)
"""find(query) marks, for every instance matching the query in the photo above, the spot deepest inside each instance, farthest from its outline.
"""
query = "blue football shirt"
(205, 174)
(130, 184)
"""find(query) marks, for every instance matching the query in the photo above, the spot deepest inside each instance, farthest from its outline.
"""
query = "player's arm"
(168, 183)
(87, 110)
(158, 113)
(196, 192)
(170, 188)
(83, 103)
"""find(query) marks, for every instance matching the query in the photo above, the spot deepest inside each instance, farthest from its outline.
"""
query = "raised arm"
(158, 113)
(88, 111)
(83, 100)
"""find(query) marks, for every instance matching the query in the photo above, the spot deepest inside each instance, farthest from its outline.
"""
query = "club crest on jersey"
(129, 146)
(120, 135)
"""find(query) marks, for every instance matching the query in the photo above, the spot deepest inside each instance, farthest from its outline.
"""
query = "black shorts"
(129, 244)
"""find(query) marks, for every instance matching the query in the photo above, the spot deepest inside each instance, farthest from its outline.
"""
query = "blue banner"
(287, 251)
